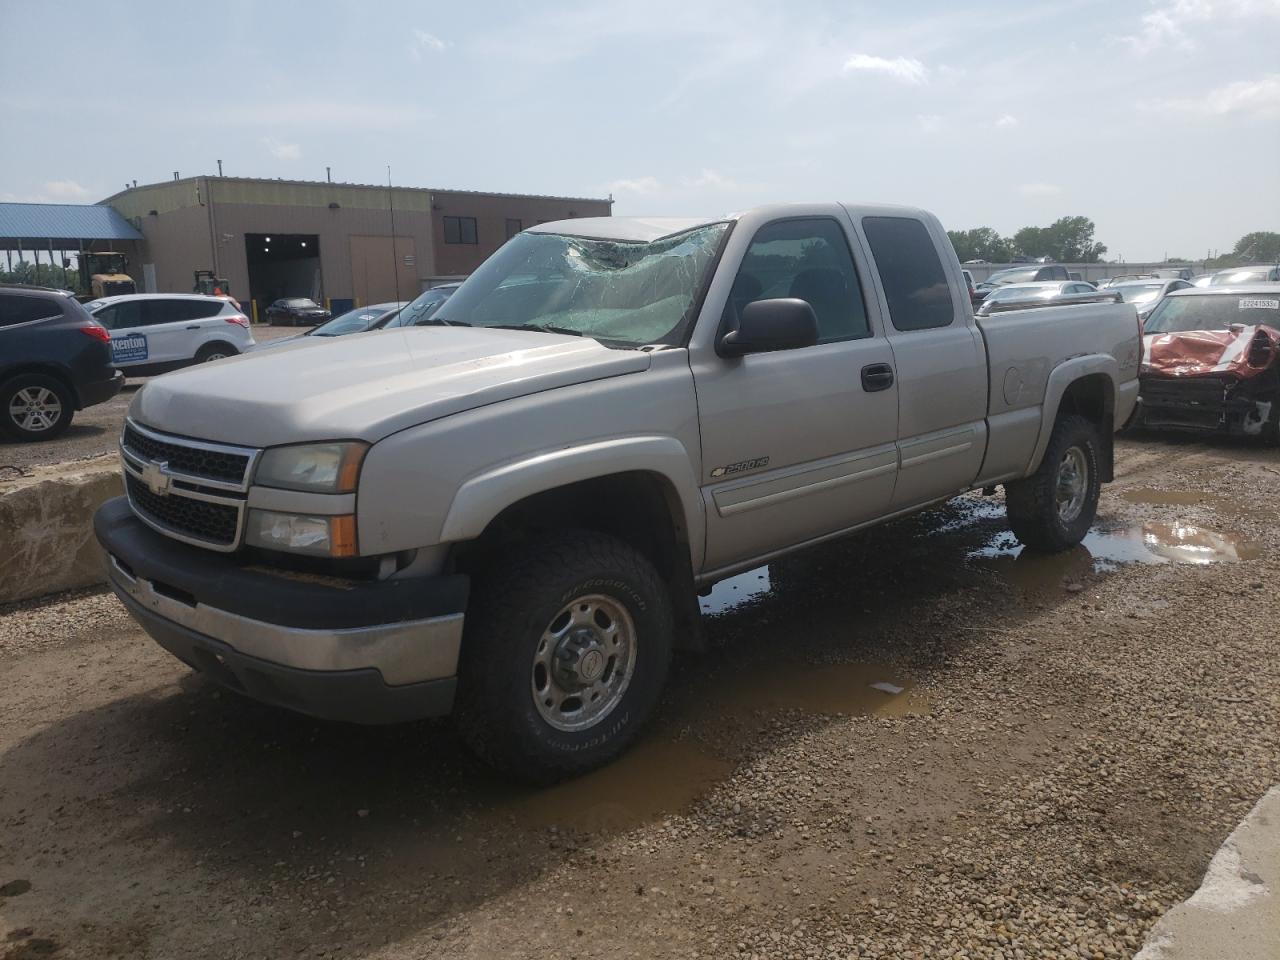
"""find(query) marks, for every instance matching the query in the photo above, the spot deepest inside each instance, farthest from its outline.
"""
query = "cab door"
(940, 360)
(796, 444)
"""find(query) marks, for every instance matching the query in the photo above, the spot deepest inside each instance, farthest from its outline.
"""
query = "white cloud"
(902, 69)
(1039, 189)
(65, 190)
(1166, 25)
(349, 115)
(282, 151)
(1006, 120)
(423, 41)
(1259, 97)
(929, 122)
(638, 185)
(710, 179)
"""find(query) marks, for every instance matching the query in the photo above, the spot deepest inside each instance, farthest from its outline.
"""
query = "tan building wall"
(201, 223)
(491, 212)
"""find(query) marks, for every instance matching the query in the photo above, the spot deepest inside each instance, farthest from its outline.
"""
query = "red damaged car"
(1210, 361)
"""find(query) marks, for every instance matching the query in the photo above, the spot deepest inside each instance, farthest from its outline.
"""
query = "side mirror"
(768, 325)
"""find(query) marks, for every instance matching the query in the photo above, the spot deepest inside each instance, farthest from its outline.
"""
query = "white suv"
(155, 332)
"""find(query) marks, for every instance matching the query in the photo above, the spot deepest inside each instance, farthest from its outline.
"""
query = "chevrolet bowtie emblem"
(156, 477)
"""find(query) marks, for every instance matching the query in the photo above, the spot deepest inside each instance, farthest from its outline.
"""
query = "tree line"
(1066, 240)
(1070, 240)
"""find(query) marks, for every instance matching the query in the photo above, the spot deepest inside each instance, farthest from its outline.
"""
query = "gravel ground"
(1073, 739)
(93, 431)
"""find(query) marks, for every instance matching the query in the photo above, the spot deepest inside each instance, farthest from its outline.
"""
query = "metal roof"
(64, 221)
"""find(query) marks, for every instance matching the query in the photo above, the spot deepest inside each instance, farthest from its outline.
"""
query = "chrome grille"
(191, 490)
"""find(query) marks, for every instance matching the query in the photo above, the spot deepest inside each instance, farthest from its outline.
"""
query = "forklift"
(210, 285)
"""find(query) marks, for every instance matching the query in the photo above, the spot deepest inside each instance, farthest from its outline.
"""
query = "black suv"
(55, 359)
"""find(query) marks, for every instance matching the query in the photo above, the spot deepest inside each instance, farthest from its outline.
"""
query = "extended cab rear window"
(915, 285)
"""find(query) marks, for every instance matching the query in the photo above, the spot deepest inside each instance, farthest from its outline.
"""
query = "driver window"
(807, 259)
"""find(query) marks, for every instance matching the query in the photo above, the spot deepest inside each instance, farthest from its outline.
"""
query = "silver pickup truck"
(508, 513)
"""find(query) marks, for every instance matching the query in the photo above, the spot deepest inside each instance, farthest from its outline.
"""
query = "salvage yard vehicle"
(55, 359)
(1210, 361)
(508, 513)
(153, 333)
(1145, 295)
(360, 320)
(1019, 295)
(1234, 276)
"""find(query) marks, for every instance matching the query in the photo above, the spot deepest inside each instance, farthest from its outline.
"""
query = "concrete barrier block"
(46, 527)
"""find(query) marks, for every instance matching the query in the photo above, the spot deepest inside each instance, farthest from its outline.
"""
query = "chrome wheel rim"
(1073, 484)
(583, 663)
(35, 409)
(213, 356)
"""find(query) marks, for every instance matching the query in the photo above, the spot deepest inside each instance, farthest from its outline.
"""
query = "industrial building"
(343, 244)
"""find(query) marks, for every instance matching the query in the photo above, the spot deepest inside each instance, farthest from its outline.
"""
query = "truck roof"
(648, 229)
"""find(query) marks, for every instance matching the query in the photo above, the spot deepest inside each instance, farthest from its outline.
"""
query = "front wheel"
(1053, 509)
(564, 657)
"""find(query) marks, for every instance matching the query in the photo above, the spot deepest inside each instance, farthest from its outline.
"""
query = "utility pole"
(219, 168)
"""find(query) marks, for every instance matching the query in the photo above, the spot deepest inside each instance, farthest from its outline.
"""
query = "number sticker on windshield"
(1257, 303)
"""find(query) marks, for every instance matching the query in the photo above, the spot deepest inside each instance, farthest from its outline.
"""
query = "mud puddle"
(662, 775)
(1107, 550)
(658, 776)
(736, 591)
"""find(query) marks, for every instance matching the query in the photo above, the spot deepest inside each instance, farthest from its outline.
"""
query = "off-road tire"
(205, 353)
(1032, 503)
(9, 389)
(510, 608)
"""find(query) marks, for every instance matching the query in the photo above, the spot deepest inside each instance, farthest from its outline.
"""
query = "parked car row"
(55, 359)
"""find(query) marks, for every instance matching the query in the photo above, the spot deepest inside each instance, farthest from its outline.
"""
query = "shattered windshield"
(622, 293)
(1180, 314)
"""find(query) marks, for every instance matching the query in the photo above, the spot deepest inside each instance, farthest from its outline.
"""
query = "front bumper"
(375, 652)
(1210, 404)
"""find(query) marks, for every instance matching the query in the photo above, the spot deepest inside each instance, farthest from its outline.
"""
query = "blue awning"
(63, 221)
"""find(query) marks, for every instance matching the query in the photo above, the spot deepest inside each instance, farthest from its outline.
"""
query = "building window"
(513, 227)
(460, 230)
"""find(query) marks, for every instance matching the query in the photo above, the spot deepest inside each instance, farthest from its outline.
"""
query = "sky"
(1158, 119)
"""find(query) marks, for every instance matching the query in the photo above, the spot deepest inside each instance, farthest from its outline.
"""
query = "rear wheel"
(215, 351)
(565, 654)
(1053, 509)
(34, 406)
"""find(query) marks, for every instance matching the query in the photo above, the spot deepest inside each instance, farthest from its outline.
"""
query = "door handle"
(877, 376)
(194, 326)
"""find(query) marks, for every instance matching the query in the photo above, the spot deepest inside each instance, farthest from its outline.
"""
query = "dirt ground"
(93, 431)
(1073, 738)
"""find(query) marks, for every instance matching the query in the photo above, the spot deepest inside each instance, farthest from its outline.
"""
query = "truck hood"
(369, 385)
(1193, 353)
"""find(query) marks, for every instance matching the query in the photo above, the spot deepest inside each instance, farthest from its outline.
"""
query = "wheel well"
(1093, 397)
(638, 507)
(43, 370)
(206, 347)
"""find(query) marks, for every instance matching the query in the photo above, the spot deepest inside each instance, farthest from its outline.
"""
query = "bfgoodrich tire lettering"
(1053, 509)
(522, 645)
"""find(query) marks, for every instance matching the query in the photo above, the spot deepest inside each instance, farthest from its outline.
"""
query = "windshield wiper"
(440, 322)
(539, 327)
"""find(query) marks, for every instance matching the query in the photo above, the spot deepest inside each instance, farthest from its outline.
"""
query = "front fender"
(1060, 379)
(482, 497)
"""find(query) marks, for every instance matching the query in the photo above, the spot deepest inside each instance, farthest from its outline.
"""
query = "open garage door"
(283, 265)
(375, 265)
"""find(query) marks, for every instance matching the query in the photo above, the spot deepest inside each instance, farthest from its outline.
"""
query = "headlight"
(314, 467)
(298, 533)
